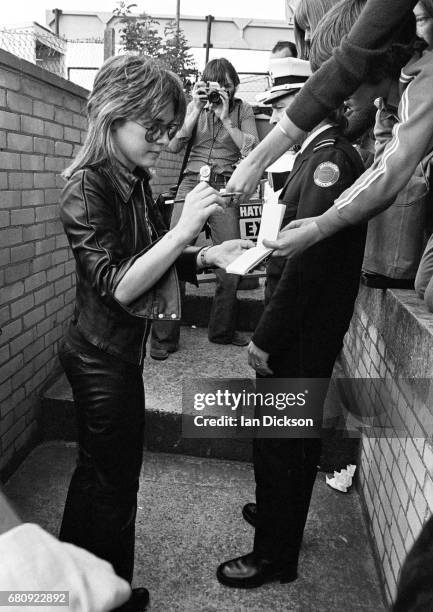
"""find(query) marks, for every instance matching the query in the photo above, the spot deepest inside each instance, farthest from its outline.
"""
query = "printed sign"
(249, 221)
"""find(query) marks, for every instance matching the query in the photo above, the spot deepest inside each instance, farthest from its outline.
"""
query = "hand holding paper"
(272, 216)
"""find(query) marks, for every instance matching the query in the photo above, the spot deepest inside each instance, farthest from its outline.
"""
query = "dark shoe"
(160, 353)
(138, 601)
(249, 512)
(250, 571)
(240, 339)
(378, 281)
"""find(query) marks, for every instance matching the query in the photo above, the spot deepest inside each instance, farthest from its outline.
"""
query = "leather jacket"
(110, 219)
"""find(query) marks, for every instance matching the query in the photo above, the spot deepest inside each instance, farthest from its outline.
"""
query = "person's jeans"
(395, 237)
(222, 322)
(101, 503)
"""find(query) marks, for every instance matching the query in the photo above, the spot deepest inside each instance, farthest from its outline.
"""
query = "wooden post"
(109, 41)
(208, 45)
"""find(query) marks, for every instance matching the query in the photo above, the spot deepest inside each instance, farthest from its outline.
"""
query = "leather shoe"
(249, 512)
(251, 571)
(240, 339)
(160, 353)
(138, 601)
(378, 281)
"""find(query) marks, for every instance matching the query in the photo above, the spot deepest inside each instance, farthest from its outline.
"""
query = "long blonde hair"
(126, 87)
(308, 13)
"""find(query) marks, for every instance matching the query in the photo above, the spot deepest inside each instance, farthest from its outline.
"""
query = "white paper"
(342, 480)
(272, 217)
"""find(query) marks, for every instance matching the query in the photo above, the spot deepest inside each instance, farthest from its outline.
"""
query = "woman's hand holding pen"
(200, 204)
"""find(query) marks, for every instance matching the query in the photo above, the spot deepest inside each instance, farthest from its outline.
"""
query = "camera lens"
(214, 97)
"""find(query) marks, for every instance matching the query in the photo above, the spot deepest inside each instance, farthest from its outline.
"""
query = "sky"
(23, 11)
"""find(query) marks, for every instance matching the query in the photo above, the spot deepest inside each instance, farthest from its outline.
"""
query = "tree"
(176, 53)
(139, 33)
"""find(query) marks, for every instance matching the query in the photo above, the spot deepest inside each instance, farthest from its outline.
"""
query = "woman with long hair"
(308, 13)
(127, 266)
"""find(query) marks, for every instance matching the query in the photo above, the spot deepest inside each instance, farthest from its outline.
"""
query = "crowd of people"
(372, 65)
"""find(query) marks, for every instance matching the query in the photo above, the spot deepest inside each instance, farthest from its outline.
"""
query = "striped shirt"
(395, 161)
(213, 144)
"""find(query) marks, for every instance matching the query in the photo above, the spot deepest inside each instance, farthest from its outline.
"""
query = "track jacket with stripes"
(410, 141)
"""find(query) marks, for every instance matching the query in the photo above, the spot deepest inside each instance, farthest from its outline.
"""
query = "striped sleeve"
(343, 72)
(411, 140)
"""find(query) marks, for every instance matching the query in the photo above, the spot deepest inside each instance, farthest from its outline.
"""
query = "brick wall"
(41, 127)
(166, 171)
(391, 337)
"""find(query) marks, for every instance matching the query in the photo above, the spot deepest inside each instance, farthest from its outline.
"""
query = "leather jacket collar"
(122, 179)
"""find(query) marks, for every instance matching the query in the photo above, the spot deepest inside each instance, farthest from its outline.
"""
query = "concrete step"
(196, 358)
(189, 520)
(198, 302)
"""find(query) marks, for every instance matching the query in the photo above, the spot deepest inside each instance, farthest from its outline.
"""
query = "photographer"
(223, 130)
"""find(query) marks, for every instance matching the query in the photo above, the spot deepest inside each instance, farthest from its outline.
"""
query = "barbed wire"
(37, 45)
(78, 59)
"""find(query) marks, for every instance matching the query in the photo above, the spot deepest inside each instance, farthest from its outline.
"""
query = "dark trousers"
(222, 320)
(285, 471)
(101, 503)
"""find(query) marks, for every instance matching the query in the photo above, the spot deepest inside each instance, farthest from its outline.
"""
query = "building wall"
(166, 171)
(391, 340)
(41, 127)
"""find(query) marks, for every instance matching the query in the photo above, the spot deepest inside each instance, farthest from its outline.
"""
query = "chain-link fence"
(37, 45)
(251, 84)
(79, 59)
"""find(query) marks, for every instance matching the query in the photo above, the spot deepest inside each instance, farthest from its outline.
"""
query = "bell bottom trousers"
(101, 503)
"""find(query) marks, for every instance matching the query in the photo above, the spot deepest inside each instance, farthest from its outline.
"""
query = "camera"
(212, 91)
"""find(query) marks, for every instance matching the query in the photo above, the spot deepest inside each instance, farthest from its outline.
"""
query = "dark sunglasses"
(154, 132)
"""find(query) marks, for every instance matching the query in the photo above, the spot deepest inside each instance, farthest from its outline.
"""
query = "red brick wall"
(41, 127)
(391, 338)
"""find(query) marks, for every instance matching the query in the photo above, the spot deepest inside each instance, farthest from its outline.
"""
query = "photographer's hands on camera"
(200, 97)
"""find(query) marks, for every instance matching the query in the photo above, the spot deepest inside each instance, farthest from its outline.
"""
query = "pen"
(223, 195)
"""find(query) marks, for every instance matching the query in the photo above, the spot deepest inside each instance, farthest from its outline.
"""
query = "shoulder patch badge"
(326, 174)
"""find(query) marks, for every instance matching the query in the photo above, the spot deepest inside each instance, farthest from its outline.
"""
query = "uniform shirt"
(213, 144)
(318, 288)
(396, 158)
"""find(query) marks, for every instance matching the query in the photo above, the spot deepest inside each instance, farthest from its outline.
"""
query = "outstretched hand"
(295, 238)
(245, 178)
(222, 255)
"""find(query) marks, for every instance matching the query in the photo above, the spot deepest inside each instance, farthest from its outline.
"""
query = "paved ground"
(189, 520)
